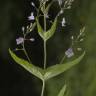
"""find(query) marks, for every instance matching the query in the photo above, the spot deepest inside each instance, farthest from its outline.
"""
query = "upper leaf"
(51, 31)
(62, 91)
(29, 67)
(60, 68)
(40, 29)
(43, 7)
(46, 35)
(48, 7)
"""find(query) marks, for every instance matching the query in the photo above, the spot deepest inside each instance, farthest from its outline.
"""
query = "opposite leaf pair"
(48, 73)
(46, 35)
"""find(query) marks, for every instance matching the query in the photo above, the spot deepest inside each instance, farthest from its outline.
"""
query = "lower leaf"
(60, 68)
(38, 72)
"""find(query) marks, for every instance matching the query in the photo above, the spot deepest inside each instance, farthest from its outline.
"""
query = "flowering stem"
(25, 52)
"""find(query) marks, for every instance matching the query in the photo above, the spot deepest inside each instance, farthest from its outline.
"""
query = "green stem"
(43, 87)
(45, 55)
(44, 22)
(45, 52)
(26, 54)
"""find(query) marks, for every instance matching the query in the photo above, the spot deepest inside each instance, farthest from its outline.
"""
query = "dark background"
(15, 81)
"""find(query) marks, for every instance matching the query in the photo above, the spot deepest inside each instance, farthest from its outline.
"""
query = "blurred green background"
(15, 81)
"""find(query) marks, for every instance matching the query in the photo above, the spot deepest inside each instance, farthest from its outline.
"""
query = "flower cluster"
(67, 5)
(79, 38)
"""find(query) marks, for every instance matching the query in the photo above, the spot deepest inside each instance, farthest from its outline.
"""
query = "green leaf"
(62, 91)
(40, 29)
(60, 68)
(47, 8)
(51, 31)
(29, 67)
(46, 35)
(43, 9)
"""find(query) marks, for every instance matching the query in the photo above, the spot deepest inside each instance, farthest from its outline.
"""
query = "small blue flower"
(19, 40)
(31, 17)
(69, 53)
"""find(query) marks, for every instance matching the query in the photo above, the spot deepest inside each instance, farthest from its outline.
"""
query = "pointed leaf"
(51, 31)
(43, 9)
(40, 29)
(29, 67)
(47, 8)
(62, 91)
(60, 68)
